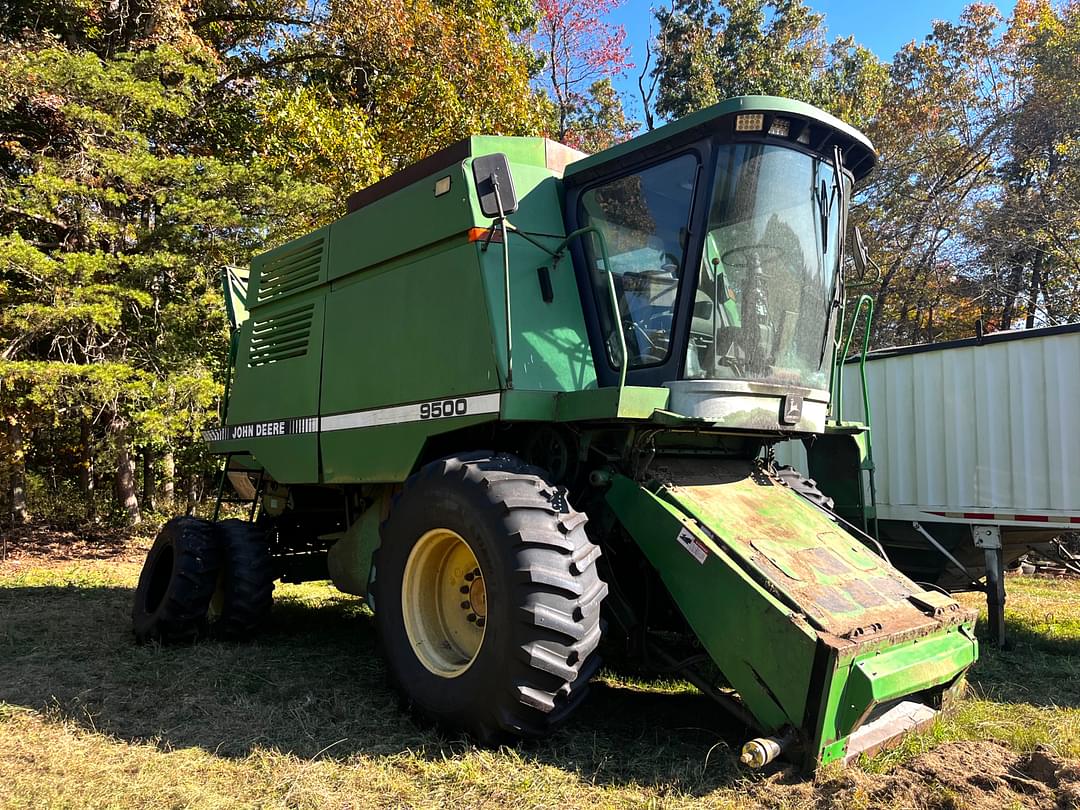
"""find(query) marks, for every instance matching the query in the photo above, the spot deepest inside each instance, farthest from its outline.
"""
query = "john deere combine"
(520, 398)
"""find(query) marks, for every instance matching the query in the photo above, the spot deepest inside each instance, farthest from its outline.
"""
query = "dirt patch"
(971, 775)
(45, 545)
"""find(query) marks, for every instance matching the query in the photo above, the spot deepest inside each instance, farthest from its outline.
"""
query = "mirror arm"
(506, 277)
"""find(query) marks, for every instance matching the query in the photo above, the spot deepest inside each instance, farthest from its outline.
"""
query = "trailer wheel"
(245, 587)
(487, 598)
(177, 582)
(807, 487)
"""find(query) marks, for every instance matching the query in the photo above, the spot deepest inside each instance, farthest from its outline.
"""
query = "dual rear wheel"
(201, 577)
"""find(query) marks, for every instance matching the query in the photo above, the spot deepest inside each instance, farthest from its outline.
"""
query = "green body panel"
(403, 223)
(385, 453)
(383, 347)
(878, 677)
(631, 402)
(593, 405)
(279, 357)
(550, 344)
(755, 568)
(859, 682)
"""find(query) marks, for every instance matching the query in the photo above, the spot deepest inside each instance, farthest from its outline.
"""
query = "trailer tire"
(245, 588)
(177, 582)
(521, 660)
(807, 487)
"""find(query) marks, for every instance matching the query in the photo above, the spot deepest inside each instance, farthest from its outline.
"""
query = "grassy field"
(303, 719)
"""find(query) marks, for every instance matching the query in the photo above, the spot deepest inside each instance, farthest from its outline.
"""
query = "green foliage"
(149, 149)
(601, 122)
(707, 52)
(972, 212)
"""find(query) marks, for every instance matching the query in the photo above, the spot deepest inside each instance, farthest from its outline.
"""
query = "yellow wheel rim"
(444, 602)
(217, 601)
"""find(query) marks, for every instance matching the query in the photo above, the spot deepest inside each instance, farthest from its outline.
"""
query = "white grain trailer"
(975, 449)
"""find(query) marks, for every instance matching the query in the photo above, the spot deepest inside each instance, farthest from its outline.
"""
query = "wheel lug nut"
(471, 617)
(465, 605)
(476, 572)
(469, 577)
(480, 622)
(464, 589)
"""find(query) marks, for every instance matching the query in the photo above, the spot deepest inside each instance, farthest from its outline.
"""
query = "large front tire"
(177, 582)
(487, 598)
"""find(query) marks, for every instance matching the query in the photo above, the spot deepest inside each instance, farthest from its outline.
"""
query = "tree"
(145, 149)
(972, 209)
(579, 51)
(707, 52)
(601, 121)
(1029, 233)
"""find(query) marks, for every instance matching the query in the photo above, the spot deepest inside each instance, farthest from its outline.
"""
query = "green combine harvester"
(521, 399)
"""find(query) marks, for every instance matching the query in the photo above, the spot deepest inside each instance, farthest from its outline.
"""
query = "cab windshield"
(765, 285)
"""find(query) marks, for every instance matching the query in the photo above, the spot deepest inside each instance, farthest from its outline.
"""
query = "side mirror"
(860, 256)
(494, 185)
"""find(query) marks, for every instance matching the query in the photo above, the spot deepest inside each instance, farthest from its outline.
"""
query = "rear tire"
(526, 667)
(807, 487)
(245, 592)
(177, 582)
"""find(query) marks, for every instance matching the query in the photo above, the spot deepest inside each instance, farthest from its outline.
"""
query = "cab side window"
(643, 218)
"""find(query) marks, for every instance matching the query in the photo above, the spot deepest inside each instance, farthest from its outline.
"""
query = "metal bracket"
(919, 528)
(986, 536)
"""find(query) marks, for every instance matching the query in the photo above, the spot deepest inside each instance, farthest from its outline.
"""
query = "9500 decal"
(442, 408)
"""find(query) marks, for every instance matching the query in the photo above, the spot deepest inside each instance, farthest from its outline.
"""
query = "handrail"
(868, 302)
(624, 359)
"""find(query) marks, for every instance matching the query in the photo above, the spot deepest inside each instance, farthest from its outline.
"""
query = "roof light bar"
(781, 127)
(749, 122)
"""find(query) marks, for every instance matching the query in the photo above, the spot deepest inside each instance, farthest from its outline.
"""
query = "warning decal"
(698, 550)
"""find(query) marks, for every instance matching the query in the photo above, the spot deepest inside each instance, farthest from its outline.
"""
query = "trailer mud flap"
(819, 636)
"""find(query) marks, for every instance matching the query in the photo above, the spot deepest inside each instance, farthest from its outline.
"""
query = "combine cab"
(517, 389)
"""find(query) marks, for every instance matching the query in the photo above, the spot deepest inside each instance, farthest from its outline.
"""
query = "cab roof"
(820, 131)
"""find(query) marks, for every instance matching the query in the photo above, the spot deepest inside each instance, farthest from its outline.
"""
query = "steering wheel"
(741, 257)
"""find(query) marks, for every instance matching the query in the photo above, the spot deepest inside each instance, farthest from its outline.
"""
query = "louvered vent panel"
(281, 336)
(291, 271)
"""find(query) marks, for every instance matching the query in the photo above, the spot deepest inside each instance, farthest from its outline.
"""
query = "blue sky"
(881, 25)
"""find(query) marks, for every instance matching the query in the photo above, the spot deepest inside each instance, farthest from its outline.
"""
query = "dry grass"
(303, 719)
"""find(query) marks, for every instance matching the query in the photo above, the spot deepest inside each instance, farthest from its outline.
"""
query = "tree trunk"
(17, 492)
(86, 466)
(1012, 292)
(148, 480)
(192, 492)
(124, 482)
(1033, 290)
(168, 480)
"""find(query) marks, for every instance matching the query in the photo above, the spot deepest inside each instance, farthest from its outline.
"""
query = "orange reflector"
(481, 235)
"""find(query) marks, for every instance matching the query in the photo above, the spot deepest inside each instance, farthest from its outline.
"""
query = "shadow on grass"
(313, 686)
(1038, 667)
